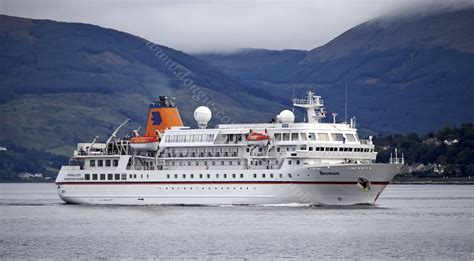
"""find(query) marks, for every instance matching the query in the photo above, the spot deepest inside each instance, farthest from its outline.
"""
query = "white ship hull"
(319, 185)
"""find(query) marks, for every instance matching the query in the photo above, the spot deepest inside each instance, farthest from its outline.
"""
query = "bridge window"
(107, 163)
(294, 136)
(337, 137)
(277, 136)
(323, 136)
(87, 176)
(350, 137)
(115, 163)
(92, 163)
(100, 163)
(110, 176)
(303, 136)
(286, 136)
(117, 176)
(94, 176)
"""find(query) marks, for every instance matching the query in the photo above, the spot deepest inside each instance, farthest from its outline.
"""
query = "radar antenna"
(314, 106)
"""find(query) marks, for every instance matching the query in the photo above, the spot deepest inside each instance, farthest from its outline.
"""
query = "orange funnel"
(162, 115)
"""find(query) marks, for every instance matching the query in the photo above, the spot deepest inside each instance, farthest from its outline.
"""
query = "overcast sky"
(220, 25)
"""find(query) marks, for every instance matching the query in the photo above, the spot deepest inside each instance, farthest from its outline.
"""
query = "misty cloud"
(225, 25)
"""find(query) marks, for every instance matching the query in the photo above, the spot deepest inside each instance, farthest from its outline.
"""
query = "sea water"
(409, 222)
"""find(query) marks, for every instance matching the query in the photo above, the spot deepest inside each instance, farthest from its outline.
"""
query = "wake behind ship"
(268, 163)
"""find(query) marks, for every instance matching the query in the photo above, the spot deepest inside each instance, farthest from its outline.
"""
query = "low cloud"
(225, 25)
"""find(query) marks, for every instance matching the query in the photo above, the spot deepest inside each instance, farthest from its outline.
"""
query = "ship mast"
(314, 106)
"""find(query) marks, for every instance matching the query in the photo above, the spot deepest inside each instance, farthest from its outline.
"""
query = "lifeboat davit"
(145, 143)
(258, 139)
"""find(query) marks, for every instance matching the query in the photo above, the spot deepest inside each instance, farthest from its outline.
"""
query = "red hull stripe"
(381, 183)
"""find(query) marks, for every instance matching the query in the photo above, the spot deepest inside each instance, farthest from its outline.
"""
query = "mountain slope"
(67, 82)
(411, 73)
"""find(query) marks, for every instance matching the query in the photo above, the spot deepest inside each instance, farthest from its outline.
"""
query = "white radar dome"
(202, 115)
(286, 116)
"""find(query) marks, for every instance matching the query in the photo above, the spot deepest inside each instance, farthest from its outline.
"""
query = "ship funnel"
(162, 115)
(202, 115)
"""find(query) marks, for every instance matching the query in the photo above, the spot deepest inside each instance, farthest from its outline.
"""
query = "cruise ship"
(282, 162)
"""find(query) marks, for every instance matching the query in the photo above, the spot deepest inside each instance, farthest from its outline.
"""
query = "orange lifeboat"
(257, 138)
(149, 143)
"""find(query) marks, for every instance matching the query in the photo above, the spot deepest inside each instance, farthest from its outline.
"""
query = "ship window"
(310, 148)
(192, 176)
(208, 176)
(184, 176)
(92, 163)
(278, 149)
(117, 176)
(110, 176)
(225, 176)
(312, 136)
(289, 175)
(124, 176)
(213, 163)
(197, 163)
(87, 176)
(238, 162)
(294, 136)
(248, 149)
(200, 176)
(286, 136)
(100, 163)
(175, 176)
(189, 163)
(241, 175)
(233, 176)
(337, 137)
(263, 175)
(167, 176)
(327, 149)
(222, 163)
(289, 162)
(297, 162)
(115, 163)
(277, 136)
(172, 163)
(230, 162)
(107, 163)
(94, 176)
(205, 163)
(303, 136)
(323, 136)
(217, 176)
(255, 175)
(130, 176)
(281, 175)
(350, 137)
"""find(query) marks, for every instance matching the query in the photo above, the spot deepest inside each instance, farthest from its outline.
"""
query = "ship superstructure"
(269, 163)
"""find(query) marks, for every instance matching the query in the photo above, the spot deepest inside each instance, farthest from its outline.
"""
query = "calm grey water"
(410, 222)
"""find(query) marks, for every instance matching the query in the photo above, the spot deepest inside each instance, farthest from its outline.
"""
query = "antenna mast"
(345, 107)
